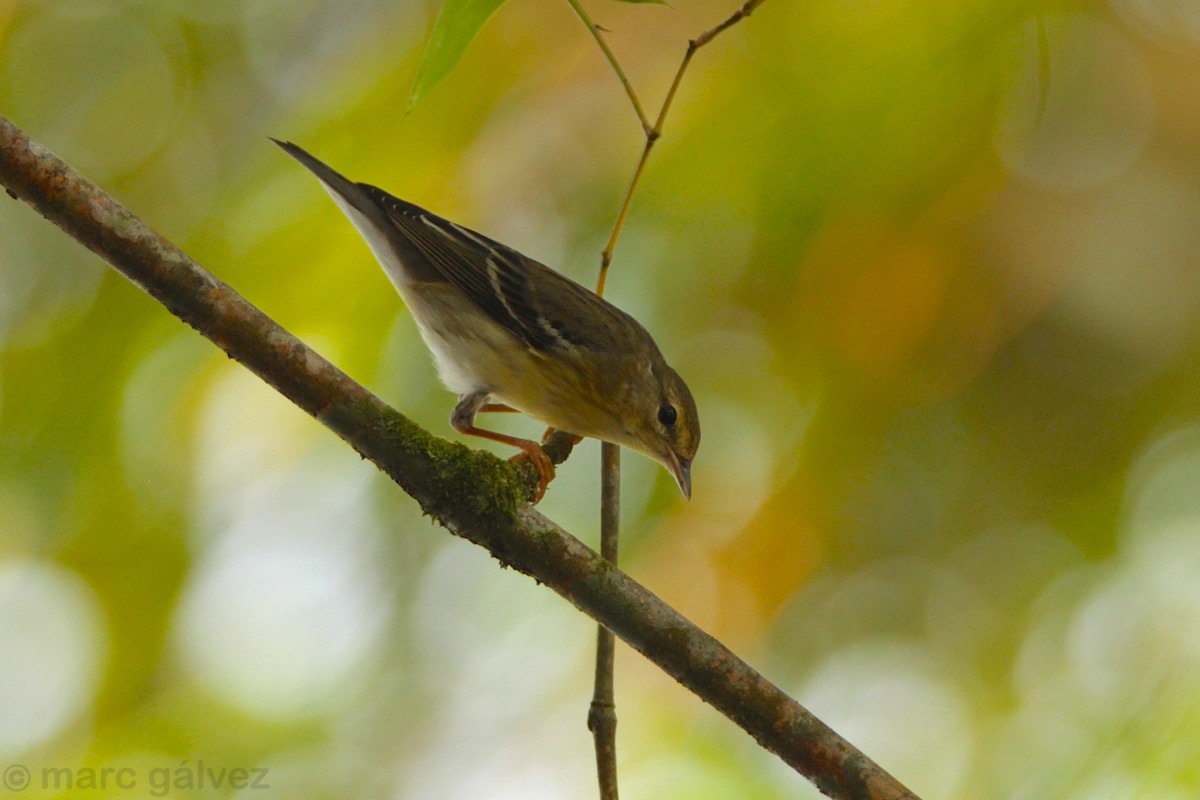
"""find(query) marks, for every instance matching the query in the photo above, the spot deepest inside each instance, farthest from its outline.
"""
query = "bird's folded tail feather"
(335, 181)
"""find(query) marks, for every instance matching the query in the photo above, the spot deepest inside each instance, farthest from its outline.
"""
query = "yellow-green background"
(936, 288)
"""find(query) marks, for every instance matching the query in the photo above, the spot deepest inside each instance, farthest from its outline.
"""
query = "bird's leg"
(462, 419)
(501, 407)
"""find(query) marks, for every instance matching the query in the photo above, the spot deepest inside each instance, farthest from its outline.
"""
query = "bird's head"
(663, 420)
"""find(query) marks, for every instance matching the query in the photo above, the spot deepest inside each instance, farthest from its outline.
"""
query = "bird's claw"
(543, 465)
(551, 431)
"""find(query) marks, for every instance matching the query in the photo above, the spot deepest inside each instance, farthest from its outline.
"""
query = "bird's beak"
(682, 470)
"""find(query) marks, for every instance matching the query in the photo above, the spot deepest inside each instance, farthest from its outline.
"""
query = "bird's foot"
(541, 462)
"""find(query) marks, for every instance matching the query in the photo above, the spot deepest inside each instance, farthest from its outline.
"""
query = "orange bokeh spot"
(874, 294)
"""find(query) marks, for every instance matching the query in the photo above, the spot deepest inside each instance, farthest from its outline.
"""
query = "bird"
(508, 333)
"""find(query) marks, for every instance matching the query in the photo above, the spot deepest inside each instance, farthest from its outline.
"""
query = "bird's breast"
(474, 353)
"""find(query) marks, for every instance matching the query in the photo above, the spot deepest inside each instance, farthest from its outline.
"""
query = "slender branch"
(653, 134)
(594, 29)
(602, 716)
(471, 493)
(746, 10)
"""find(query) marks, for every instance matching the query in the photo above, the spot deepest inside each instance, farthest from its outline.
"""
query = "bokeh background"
(932, 270)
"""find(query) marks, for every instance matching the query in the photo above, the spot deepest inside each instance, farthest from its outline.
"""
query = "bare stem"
(602, 716)
(746, 10)
(653, 134)
(594, 29)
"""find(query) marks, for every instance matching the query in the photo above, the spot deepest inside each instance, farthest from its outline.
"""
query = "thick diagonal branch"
(473, 494)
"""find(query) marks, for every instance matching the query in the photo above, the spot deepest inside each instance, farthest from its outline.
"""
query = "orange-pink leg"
(462, 419)
(501, 407)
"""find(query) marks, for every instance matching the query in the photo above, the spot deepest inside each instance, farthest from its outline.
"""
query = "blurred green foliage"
(933, 277)
(457, 24)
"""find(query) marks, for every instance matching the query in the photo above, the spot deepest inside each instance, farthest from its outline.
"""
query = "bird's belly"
(466, 361)
(560, 396)
(471, 352)
(477, 355)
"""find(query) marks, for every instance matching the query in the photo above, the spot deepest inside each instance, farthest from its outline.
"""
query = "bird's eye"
(667, 414)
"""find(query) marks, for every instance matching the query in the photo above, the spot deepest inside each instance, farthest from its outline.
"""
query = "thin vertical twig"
(602, 714)
(653, 134)
(594, 29)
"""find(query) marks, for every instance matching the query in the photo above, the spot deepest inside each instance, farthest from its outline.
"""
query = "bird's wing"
(524, 296)
(546, 310)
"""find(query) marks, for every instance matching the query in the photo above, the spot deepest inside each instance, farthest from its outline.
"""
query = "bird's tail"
(403, 262)
(338, 184)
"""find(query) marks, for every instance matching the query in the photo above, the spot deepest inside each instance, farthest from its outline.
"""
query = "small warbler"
(504, 328)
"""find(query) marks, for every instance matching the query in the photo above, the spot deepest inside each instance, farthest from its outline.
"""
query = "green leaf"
(647, 2)
(456, 25)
